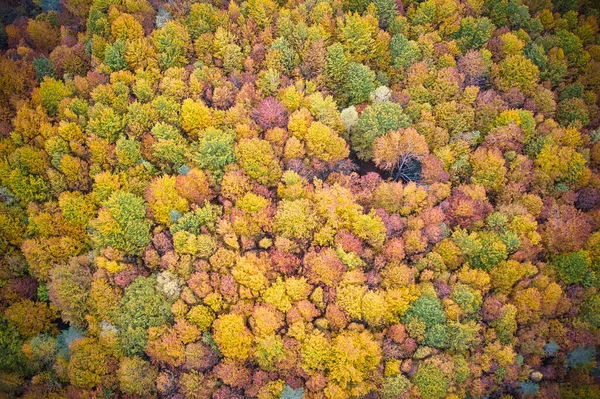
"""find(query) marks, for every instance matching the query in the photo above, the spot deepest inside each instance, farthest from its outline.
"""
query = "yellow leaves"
(297, 288)
(324, 144)
(526, 227)
(195, 116)
(76, 208)
(528, 303)
(375, 309)
(476, 278)
(560, 163)
(515, 71)
(291, 97)
(276, 295)
(489, 170)
(414, 199)
(163, 198)
(202, 245)
(388, 195)
(387, 151)
(111, 266)
(337, 206)
(271, 390)
(292, 186)
(511, 44)
(126, 28)
(349, 298)
(316, 352)
(354, 356)
(551, 297)
(295, 219)
(357, 35)
(294, 148)
(249, 271)
(506, 274)
(232, 336)
(252, 203)
(450, 253)
(399, 300)
(262, 11)
(258, 160)
(496, 352)
(202, 316)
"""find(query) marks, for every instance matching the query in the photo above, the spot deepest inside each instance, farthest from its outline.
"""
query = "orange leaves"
(396, 147)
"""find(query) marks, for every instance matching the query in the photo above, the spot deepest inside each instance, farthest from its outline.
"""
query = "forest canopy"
(320, 199)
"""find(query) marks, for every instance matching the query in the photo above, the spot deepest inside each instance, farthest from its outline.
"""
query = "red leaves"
(270, 113)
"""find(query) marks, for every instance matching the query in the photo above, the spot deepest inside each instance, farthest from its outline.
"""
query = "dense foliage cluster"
(300, 199)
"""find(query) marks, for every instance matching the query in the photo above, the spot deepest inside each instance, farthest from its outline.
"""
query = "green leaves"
(376, 120)
(214, 151)
(122, 223)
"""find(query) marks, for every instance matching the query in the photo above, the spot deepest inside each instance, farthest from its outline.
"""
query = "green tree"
(52, 92)
(474, 33)
(172, 43)
(213, 151)
(360, 82)
(122, 223)
(431, 381)
(574, 267)
(336, 68)
(143, 306)
(404, 52)
(376, 120)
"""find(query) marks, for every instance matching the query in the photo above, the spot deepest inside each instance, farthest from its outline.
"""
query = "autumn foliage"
(300, 199)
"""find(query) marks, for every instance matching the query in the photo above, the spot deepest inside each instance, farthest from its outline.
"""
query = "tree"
(295, 219)
(336, 68)
(214, 151)
(43, 67)
(489, 170)
(404, 52)
(355, 356)
(172, 43)
(136, 376)
(323, 143)
(376, 120)
(195, 117)
(262, 12)
(357, 35)
(125, 27)
(114, 55)
(574, 267)
(473, 33)
(164, 199)
(51, 93)
(105, 122)
(142, 306)
(270, 113)
(396, 151)
(516, 71)
(203, 18)
(359, 83)
(122, 223)
(431, 381)
(386, 11)
(31, 318)
(88, 364)
(257, 159)
(232, 336)
(69, 290)
(170, 148)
